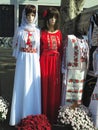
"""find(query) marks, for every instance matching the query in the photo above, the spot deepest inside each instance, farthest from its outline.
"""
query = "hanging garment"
(74, 69)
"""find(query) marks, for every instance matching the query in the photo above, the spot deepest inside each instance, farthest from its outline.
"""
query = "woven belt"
(29, 50)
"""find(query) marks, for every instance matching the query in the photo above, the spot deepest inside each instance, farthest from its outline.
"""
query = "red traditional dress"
(50, 61)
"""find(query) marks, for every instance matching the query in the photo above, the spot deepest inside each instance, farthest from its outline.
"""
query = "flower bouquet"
(78, 116)
(3, 109)
(34, 122)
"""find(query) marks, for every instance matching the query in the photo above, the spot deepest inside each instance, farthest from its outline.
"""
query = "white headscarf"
(25, 24)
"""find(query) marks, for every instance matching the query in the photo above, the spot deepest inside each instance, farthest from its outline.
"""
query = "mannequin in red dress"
(50, 61)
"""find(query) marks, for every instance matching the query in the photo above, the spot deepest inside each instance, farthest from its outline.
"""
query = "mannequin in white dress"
(26, 99)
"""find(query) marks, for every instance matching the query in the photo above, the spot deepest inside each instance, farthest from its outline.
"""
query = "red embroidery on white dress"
(76, 81)
(29, 39)
(76, 52)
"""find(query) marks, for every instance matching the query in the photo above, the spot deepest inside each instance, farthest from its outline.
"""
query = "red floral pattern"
(74, 91)
(73, 40)
(28, 40)
(76, 80)
(29, 50)
(73, 100)
(76, 52)
(38, 122)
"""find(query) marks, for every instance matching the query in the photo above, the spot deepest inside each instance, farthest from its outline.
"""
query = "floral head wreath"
(45, 13)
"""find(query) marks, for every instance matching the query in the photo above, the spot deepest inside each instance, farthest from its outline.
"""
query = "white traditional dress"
(74, 69)
(26, 99)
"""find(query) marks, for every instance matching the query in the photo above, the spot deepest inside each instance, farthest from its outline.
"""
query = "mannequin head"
(51, 18)
(30, 11)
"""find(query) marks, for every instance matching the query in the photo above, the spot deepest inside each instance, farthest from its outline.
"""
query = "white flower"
(79, 117)
(3, 108)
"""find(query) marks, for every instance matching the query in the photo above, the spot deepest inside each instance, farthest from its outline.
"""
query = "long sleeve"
(64, 61)
(15, 45)
(61, 45)
(64, 65)
(87, 47)
(90, 31)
